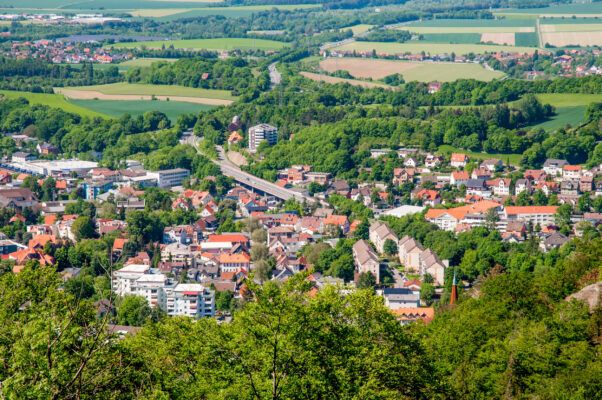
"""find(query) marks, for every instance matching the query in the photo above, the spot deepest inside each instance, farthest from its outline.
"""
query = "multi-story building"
(188, 299)
(171, 177)
(379, 233)
(541, 215)
(365, 259)
(123, 280)
(259, 133)
(150, 286)
(191, 300)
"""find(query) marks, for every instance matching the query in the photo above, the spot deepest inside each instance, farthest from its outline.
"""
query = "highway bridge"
(246, 179)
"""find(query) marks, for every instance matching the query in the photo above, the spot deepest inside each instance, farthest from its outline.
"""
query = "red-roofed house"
(338, 220)
(571, 172)
(231, 262)
(429, 197)
(448, 219)
(458, 160)
(542, 215)
(118, 245)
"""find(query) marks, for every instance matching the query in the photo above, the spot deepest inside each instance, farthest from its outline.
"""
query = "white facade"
(188, 299)
(123, 280)
(171, 177)
(259, 133)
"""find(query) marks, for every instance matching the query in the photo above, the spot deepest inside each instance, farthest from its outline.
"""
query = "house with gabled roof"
(379, 232)
(366, 259)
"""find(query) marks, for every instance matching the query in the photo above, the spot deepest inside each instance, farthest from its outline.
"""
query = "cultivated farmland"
(563, 39)
(127, 91)
(52, 100)
(430, 48)
(411, 71)
(357, 29)
(209, 44)
(172, 109)
(467, 29)
(505, 38)
(333, 80)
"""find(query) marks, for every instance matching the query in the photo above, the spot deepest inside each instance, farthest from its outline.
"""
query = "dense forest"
(233, 74)
(38, 76)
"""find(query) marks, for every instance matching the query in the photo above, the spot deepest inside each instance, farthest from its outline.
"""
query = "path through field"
(91, 95)
(332, 79)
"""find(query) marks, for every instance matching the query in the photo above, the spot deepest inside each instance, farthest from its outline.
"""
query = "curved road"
(243, 177)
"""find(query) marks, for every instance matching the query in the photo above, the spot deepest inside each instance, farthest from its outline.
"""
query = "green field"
(143, 62)
(525, 39)
(466, 38)
(513, 159)
(116, 108)
(357, 29)
(231, 12)
(570, 21)
(564, 115)
(447, 72)
(126, 65)
(157, 90)
(210, 44)
(564, 9)
(465, 23)
(570, 108)
(569, 100)
(53, 100)
(430, 48)
(465, 29)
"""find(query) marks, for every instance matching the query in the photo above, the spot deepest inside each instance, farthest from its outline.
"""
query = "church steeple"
(454, 291)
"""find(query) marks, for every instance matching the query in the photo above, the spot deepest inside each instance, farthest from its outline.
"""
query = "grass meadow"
(53, 100)
(430, 48)
(209, 44)
(116, 108)
(157, 90)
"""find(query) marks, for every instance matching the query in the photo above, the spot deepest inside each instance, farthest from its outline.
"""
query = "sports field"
(209, 44)
(52, 100)
(333, 80)
(136, 91)
(173, 109)
(430, 48)
(411, 71)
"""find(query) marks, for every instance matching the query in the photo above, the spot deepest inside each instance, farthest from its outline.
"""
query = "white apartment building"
(123, 280)
(542, 215)
(379, 233)
(150, 286)
(176, 299)
(171, 177)
(188, 299)
(259, 133)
